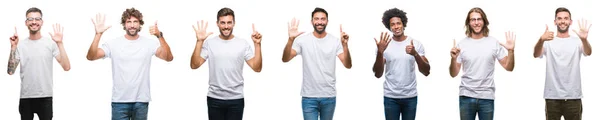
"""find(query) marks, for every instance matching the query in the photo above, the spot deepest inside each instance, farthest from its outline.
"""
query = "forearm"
(510, 65)
(64, 58)
(379, 65)
(166, 50)
(13, 62)
(422, 64)
(347, 58)
(287, 51)
(196, 59)
(93, 51)
(587, 48)
(454, 69)
(538, 49)
(257, 58)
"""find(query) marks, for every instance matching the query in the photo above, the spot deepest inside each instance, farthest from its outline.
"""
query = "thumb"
(155, 22)
(546, 27)
(411, 43)
(209, 33)
(50, 34)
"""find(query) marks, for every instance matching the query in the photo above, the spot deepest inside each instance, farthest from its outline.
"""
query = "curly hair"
(391, 13)
(485, 30)
(131, 12)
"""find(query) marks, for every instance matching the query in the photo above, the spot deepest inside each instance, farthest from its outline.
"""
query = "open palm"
(510, 41)
(293, 28)
(584, 28)
(99, 25)
(200, 30)
(57, 36)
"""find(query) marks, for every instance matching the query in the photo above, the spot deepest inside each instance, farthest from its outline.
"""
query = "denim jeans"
(405, 107)
(130, 111)
(315, 107)
(570, 109)
(40, 106)
(225, 109)
(470, 107)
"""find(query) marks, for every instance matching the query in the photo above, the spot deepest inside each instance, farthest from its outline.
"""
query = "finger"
(453, 42)
(341, 28)
(156, 23)
(301, 33)
(289, 26)
(411, 43)
(588, 28)
(205, 25)
(209, 33)
(197, 25)
(15, 30)
(375, 40)
(381, 36)
(253, 29)
(50, 34)
(546, 27)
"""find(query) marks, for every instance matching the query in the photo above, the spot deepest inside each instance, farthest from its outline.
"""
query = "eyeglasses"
(476, 19)
(36, 19)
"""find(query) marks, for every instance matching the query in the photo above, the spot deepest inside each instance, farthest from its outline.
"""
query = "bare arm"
(587, 48)
(94, 52)
(538, 49)
(62, 57)
(508, 62)
(197, 60)
(423, 64)
(288, 52)
(13, 61)
(345, 57)
(256, 62)
(454, 67)
(379, 65)
(164, 51)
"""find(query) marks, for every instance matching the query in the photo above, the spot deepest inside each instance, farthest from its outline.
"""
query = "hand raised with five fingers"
(410, 49)
(14, 40)
(548, 35)
(256, 37)
(455, 50)
(57, 36)
(99, 25)
(584, 28)
(510, 40)
(293, 28)
(344, 37)
(383, 42)
(154, 29)
(200, 30)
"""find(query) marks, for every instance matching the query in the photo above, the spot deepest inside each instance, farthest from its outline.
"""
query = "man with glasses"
(477, 54)
(35, 54)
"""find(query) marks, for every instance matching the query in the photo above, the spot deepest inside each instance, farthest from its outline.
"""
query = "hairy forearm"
(93, 51)
(166, 49)
(13, 62)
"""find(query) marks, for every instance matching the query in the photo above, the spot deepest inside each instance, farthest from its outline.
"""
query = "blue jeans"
(394, 108)
(225, 109)
(469, 107)
(315, 107)
(130, 111)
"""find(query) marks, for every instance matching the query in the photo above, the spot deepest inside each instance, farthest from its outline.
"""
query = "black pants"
(41, 106)
(570, 109)
(225, 109)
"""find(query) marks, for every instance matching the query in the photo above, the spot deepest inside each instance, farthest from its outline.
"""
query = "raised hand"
(584, 28)
(383, 42)
(154, 29)
(293, 28)
(548, 35)
(200, 30)
(344, 37)
(410, 49)
(99, 25)
(57, 36)
(510, 41)
(256, 37)
(455, 51)
(14, 40)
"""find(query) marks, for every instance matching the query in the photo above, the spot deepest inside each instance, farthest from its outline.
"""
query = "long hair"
(485, 30)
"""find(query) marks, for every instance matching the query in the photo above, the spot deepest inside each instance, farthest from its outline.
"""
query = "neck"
(400, 38)
(135, 37)
(563, 34)
(321, 35)
(476, 35)
(226, 38)
(35, 35)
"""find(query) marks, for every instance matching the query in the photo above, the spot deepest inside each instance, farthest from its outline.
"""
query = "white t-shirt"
(400, 69)
(226, 63)
(131, 67)
(478, 58)
(318, 64)
(563, 76)
(36, 58)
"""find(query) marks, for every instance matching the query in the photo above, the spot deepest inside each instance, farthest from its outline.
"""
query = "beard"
(226, 29)
(130, 33)
(33, 31)
(317, 30)
(562, 30)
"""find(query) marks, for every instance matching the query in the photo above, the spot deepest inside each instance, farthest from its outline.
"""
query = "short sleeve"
(544, 49)
(460, 55)
(55, 50)
(106, 47)
(248, 52)
(419, 48)
(296, 46)
(500, 51)
(339, 49)
(155, 45)
(204, 52)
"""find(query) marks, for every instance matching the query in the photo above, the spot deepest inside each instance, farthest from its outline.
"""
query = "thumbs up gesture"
(410, 49)
(548, 35)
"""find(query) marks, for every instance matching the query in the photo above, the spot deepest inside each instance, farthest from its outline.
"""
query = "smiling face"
(396, 26)
(319, 21)
(563, 21)
(226, 24)
(476, 22)
(132, 26)
(34, 22)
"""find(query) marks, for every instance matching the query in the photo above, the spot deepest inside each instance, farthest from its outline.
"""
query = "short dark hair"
(33, 9)
(562, 9)
(394, 12)
(225, 12)
(318, 9)
(132, 12)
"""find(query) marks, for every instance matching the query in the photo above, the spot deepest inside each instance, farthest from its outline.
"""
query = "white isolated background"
(179, 93)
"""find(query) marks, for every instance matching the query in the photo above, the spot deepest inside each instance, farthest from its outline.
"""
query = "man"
(563, 77)
(131, 57)
(318, 51)
(36, 53)
(400, 86)
(226, 54)
(478, 53)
